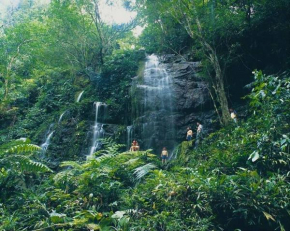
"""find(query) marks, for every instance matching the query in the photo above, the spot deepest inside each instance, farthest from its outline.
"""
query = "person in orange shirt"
(189, 134)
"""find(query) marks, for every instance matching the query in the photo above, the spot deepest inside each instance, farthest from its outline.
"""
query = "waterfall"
(59, 120)
(44, 146)
(98, 130)
(48, 136)
(79, 97)
(154, 111)
(129, 136)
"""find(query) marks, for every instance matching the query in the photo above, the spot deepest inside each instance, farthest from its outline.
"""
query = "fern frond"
(32, 166)
(106, 156)
(141, 171)
(72, 164)
(13, 143)
(63, 176)
(24, 163)
(23, 148)
(109, 153)
(132, 161)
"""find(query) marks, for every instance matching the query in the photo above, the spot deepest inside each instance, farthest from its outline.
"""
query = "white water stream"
(155, 119)
(79, 97)
(98, 130)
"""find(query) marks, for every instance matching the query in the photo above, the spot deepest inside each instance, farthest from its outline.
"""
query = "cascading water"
(154, 119)
(98, 130)
(60, 118)
(79, 97)
(48, 136)
(129, 136)
(45, 145)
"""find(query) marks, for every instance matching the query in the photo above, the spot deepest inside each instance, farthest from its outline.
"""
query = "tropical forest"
(144, 115)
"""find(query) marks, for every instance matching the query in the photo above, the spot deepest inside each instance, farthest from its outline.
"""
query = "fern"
(10, 156)
(23, 148)
(132, 161)
(24, 163)
(111, 150)
(72, 164)
(141, 171)
(64, 176)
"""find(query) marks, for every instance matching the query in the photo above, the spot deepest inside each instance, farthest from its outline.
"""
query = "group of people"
(199, 130)
(189, 135)
(135, 147)
(199, 133)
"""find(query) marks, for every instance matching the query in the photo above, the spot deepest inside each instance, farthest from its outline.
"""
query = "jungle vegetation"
(237, 178)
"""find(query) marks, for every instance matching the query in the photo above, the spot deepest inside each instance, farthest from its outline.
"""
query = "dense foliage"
(236, 179)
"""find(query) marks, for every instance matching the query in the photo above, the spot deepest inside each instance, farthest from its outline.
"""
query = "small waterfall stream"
(48, 136)
(155, 108)
(129, 136)
(79, 97)
(60, 118)
(98, 130)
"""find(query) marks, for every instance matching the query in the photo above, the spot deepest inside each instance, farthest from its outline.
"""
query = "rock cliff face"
(190, 102)
(191, 96)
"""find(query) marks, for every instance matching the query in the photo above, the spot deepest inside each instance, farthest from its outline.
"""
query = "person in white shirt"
(233, 115)
(199, 132)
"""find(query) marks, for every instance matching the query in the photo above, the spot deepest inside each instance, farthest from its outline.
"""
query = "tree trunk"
(213, 58)
(6, 84)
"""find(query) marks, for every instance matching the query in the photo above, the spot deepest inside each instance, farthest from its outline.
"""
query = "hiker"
(164, 155)
(199, 132)
(189, 134)
(134, 146)
(137, 147)
(233, 115)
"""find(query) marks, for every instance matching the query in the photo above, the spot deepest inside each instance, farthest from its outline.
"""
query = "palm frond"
(141, 171)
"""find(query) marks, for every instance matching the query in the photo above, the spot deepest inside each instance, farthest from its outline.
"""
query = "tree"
(190, 14)
(12, 52)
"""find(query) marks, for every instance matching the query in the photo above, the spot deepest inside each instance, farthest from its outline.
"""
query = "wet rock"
(191, 102)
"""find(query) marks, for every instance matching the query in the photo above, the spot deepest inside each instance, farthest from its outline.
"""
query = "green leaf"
(268, 216)
(254, 156)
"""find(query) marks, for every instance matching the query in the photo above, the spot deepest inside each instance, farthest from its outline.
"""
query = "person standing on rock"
(189, 134)
(199, 132)
(164, 155)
